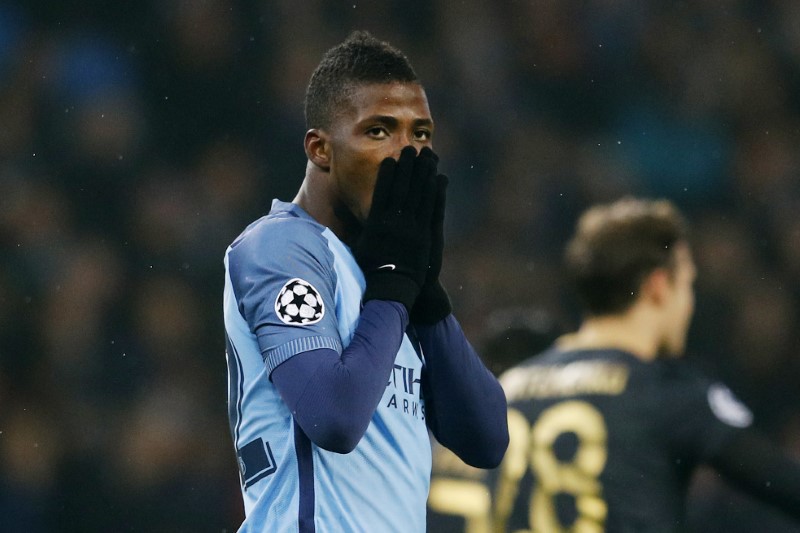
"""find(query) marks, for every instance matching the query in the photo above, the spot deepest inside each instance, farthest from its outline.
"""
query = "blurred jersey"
(459, 500)
(601, 441)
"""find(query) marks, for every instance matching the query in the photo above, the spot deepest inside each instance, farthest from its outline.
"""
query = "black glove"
(393, 249)
(433, 303)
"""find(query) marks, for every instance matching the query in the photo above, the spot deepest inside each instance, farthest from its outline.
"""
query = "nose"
(402, 140)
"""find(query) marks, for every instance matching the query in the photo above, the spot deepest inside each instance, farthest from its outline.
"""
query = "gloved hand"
(433, 303)
(393, 249)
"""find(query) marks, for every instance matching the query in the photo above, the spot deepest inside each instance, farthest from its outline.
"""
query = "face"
(381, 120)
(679, 303)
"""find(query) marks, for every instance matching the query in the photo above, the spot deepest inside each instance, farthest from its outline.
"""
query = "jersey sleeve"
(762, 469)
(284, 282)
(701, 415)
(465, 404)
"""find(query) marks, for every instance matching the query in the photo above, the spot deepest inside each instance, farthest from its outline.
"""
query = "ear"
(656, 286)
(318, 147)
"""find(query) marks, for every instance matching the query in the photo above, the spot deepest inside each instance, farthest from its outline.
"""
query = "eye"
(423, 135)
(377, 132)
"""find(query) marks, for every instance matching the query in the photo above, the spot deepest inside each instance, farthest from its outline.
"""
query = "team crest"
(299, 304)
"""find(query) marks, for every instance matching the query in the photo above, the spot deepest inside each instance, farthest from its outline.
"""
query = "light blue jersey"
(292, 286)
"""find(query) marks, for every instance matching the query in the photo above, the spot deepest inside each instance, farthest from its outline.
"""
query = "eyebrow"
(393, 122)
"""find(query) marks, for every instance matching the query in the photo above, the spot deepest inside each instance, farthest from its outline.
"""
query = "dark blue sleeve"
(761, 468)
(465, 405)
(333, 397)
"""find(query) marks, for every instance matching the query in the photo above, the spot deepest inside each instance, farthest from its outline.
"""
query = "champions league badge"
(299, 304)
(727, 407)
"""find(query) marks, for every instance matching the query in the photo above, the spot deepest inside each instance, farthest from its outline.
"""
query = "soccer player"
(342, 349)
(607, 425)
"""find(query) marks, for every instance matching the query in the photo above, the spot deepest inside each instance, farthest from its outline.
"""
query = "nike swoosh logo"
(389, 266)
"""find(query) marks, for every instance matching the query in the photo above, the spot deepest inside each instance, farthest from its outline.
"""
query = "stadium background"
(138, 138)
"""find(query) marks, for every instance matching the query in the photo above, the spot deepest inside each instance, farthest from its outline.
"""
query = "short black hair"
(616, 246)
(361, 59)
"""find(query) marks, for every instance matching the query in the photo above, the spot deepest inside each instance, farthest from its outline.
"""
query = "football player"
(342, 349)
(607, 426)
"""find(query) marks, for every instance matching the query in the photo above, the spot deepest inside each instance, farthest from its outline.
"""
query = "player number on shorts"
(578, 477)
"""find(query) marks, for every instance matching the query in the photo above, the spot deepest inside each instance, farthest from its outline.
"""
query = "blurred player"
(342, 349)
(607, 426)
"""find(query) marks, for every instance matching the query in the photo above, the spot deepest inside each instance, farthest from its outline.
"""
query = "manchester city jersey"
(292, 286)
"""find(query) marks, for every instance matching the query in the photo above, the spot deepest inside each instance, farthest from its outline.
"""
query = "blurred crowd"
(138, 138)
